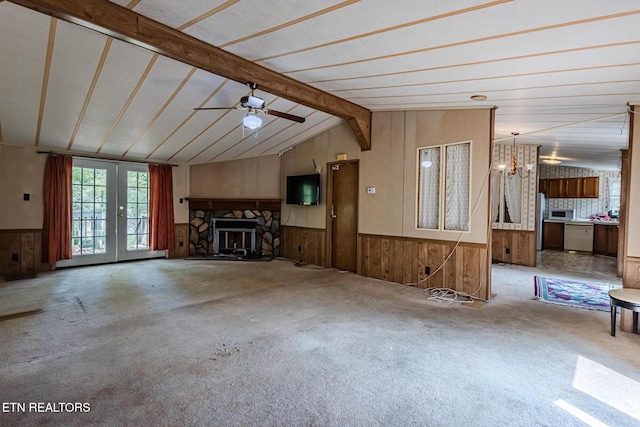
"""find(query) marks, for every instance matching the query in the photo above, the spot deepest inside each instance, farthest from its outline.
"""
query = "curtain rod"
(108, 158)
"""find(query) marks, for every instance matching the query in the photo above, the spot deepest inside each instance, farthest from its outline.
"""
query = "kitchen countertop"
(581, 221)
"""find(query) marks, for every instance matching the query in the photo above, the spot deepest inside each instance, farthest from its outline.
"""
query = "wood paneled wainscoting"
(304, 245)
(630, 279)
(21, 253)
(181, 249)
(407, 260)
(514, 247)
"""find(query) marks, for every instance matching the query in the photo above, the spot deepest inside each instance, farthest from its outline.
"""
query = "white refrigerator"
(541, 215)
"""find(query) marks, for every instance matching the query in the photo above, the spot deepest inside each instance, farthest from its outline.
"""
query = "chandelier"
(513, 170)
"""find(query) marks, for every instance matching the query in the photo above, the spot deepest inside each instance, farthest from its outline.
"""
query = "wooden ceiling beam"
(124, 24)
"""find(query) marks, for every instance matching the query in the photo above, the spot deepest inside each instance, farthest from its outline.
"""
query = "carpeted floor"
(175, 342)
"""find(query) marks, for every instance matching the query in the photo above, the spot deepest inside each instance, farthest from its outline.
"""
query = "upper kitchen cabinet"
(571, 188)
(590, 187)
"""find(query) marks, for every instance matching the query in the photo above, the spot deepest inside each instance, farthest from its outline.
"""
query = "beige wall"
(299, 161)
(257, 177)
(391, 167)
(21, 171)
(392, 162)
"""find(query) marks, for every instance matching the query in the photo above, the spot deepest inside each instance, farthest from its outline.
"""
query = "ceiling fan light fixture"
(251, 121)
(255, 102)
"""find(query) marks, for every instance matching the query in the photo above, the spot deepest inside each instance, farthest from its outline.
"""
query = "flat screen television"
(303, 189)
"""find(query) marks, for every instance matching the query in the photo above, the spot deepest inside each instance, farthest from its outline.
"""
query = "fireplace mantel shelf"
(233, 204)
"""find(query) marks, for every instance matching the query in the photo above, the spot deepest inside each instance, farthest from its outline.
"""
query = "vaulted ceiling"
(561, 73)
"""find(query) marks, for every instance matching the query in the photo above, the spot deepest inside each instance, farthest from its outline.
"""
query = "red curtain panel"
(56, 233)
(161, 226)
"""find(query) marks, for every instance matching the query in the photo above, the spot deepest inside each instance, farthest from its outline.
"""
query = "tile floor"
(579, 265)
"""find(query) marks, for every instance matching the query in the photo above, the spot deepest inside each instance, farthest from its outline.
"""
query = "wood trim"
(461, 267)
(521, 246)
(233, 204)
(303, 245)
(26, 246)
(630, 279)
(182, 237)
(124, 24)
(624, 196)
(418, 239)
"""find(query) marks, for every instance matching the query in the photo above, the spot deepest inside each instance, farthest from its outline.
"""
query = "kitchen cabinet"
(605, 239)
(553, 235)
(556, 188)
(590, 187)
(571, 188)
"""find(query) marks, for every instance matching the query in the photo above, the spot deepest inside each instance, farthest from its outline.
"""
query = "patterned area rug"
(593, 296)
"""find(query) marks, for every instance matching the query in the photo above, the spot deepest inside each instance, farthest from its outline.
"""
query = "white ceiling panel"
(152, 96)
(23, 51)
(111, 94)
(554, 70)
(75, 58)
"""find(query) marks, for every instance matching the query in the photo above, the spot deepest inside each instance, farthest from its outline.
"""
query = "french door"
(110, 213)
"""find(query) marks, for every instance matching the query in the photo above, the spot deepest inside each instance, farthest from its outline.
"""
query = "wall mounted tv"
(303, 189)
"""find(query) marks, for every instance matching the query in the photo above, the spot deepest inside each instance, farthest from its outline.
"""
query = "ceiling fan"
(254, 105)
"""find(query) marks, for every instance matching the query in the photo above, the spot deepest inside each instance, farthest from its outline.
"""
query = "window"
(448, 208)
(137, 210)
(89, 210)
(614, 196)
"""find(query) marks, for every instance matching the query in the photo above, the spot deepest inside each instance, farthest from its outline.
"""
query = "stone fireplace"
(265, 213)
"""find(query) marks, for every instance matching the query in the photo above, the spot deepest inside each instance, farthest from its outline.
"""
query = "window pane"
(429, 188)
(457, 184)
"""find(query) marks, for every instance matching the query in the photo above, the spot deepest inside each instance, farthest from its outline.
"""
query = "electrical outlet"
(181, 243)
(507, 250)
(15, 257)
(427, 270)
(299, 248)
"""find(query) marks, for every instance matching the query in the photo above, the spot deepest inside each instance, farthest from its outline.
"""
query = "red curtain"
(56, 230)
(161, 227)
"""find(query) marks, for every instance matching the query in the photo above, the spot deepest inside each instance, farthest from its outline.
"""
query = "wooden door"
(344, 215)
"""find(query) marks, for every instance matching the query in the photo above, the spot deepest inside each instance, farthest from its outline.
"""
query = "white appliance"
(566, 214)
(541, 214)
(578, 237)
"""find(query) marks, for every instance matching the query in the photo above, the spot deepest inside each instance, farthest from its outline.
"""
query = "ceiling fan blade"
(215, 108)
(285, 116)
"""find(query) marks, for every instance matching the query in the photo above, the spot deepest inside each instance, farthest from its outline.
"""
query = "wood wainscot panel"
(426, 263)
(304, 245)
(21, 253)
(181, 249)
(514, 247)
(630, 279)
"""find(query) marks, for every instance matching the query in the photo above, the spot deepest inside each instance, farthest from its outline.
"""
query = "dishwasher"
(578, 237)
